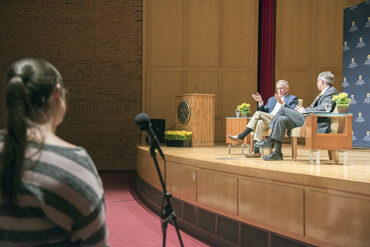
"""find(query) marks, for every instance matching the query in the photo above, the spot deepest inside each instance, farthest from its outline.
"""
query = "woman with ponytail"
(50, 191)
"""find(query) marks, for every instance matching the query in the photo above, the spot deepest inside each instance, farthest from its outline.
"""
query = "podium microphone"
(142, 120)
(194, 89)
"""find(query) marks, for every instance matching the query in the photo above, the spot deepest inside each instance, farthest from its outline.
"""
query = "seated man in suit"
(289, 119)
(265, 114)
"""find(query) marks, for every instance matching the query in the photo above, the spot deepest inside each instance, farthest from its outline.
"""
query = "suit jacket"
(323, 123)
(291, 102)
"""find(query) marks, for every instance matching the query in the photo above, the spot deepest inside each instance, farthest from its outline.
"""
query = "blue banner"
(356, 69)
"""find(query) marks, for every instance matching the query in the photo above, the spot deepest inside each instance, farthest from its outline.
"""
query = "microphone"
(194, 89)
(142, 120)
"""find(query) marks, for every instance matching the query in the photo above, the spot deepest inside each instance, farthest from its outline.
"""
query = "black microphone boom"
(143, 121)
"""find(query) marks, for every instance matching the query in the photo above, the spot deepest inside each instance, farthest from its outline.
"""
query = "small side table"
(235, 126)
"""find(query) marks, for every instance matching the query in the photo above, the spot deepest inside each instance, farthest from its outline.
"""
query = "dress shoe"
(265, 144)
(253, 155)
(273, 156)
(236, 139)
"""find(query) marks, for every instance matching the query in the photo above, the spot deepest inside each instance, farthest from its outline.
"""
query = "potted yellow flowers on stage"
(178, 138)
(342, 102)
(245, 110)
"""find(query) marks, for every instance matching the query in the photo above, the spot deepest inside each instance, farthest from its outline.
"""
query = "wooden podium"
(196, 113)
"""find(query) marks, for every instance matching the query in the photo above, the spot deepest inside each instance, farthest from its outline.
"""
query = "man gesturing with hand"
(265, 113)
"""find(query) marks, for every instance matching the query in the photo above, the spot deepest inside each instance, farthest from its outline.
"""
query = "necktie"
(316, 99)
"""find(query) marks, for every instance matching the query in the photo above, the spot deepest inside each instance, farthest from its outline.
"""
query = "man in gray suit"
(265, 113)
(288, 119)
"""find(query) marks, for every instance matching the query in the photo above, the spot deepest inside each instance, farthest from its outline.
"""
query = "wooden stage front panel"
(323, 205)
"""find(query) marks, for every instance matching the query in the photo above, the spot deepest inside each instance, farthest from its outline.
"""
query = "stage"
(229, 199)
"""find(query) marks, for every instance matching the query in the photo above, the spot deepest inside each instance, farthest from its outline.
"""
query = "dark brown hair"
(30, 83)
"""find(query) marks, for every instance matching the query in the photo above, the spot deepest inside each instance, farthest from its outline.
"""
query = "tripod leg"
(164, 231)
(177, 231)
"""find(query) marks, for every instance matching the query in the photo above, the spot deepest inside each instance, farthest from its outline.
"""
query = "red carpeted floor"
(129, 221)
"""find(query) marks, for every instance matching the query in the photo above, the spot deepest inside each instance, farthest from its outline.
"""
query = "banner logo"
(367, 99)
(353, 28)
(360, 119)
(353, 7)
(353, 64)
(345, 46)
(353, 136)
(367, 62)
(361, 43)
(353, 100)
(345, 83)
(360, 82)
(367, 25)
(367, 137)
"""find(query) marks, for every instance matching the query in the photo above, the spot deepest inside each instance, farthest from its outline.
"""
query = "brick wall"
(96, 46)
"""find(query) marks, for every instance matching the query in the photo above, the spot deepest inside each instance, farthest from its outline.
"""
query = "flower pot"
(246, 113)
(177, 143)
(342, 108)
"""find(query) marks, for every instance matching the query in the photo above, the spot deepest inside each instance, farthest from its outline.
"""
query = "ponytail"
(15, 141)
(30, 83)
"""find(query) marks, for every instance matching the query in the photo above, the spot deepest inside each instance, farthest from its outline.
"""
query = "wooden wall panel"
(238, 88)
(309, 40)
(238, 27)
(318, 205)
(301, 85)
(329, 26)
(206, 82)
(203, 33)
(166, 22)
(165, 85)
(199, 40)
(270, 204)
(338, 220)
(222, 36)
(148, 172)
(218, 191)
(294, 31)
(183, 182)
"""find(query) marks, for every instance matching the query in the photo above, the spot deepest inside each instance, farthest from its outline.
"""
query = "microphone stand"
(168, 213)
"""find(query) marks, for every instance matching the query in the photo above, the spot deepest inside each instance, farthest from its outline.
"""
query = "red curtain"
(267, 46)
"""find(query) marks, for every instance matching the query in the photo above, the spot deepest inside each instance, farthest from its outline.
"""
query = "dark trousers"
(284, 119)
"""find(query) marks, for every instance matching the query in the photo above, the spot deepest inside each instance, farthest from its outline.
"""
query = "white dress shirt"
(277, 106)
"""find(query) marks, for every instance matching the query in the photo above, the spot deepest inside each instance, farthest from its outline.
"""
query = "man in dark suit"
(265, 113)
(289, 119)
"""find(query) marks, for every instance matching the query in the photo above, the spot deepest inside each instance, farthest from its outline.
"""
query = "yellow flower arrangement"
(244, 107)
(179, 135)
(341, 99)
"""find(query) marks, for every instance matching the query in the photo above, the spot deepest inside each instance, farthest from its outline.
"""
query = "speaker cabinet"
(159, 127)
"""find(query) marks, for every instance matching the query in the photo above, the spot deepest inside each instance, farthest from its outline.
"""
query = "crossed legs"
(285, 119)
(259, 122)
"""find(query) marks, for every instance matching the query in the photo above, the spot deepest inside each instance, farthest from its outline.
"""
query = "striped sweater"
(61, 201)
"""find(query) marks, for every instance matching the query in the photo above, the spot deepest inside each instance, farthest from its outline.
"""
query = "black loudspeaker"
(159, 127)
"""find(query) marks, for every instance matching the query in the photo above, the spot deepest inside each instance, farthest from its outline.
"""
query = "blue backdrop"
(356, 69)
